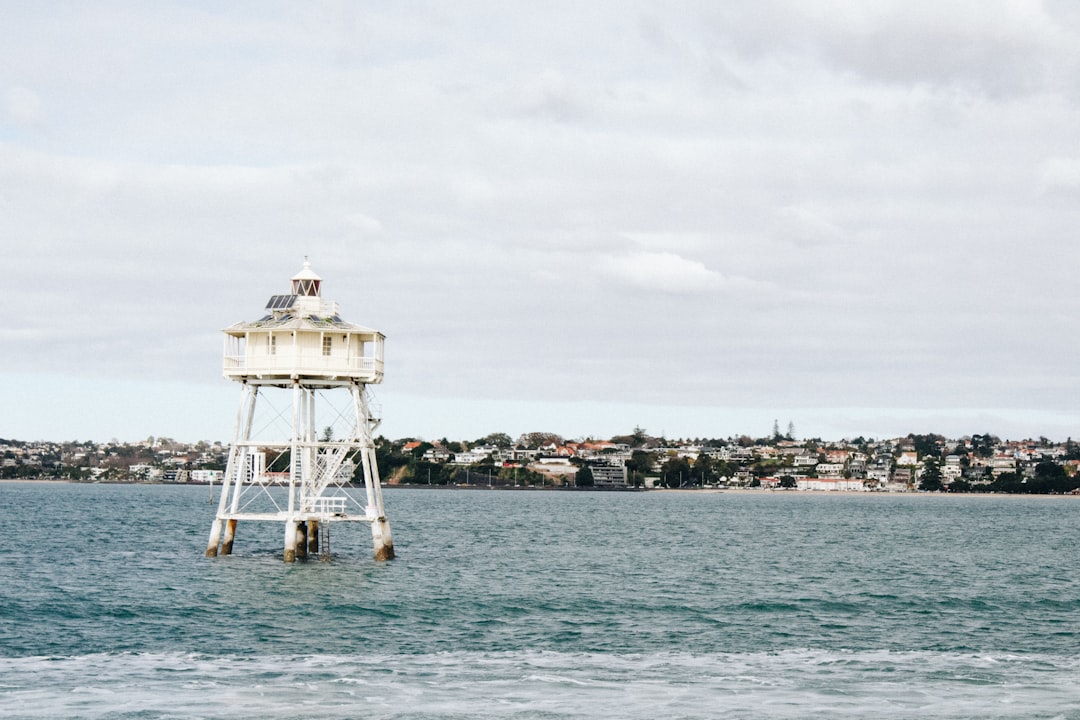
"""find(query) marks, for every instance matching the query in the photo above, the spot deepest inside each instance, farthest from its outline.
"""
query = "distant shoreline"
(571, 488)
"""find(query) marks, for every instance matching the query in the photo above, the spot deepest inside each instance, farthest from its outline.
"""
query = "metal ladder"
(324, 541)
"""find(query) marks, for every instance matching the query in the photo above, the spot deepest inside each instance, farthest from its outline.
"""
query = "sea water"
(544, 605)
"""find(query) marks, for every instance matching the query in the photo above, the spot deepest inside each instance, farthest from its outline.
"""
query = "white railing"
(286, 364)
(330, 505)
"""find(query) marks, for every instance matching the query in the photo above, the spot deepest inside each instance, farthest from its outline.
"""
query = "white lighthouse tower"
(304, 373)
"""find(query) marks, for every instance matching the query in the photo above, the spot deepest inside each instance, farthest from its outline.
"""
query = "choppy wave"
(789, 684)
(547, 605)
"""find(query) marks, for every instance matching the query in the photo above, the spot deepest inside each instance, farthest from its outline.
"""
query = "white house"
(908, 457)
(207, 476)
(1002, 463)
(834, 471)
(829, 484)
(471, 457)
(608, 475)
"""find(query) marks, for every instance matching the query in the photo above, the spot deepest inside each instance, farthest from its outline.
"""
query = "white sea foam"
(788, 684)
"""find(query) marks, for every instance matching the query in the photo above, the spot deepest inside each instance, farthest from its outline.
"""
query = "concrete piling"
(313, 537)
(290, 541)
(215, 537)
(301, 539)
(230, 534)
(381, 539)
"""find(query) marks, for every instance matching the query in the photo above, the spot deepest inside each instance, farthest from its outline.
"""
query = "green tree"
(584, 477)
(765, 468)
(927, 445)
(497, 439)
(519, 476)
(534, 440)
(703, 471)
(280, 463)
(1009, 482)
(1051, 478)
(930, 480)
(1072, 449)
(638, 466)
(983, 445)
(675, 471)
(388, 457)
(959, 485)
(422, 472)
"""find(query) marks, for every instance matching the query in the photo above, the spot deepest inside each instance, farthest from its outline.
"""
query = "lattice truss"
(335, 438)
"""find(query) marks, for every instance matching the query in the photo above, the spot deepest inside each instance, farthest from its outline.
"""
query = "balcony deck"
(286, 367)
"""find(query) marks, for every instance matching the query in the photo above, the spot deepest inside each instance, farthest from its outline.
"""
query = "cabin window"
(271, 344)
(326, 345)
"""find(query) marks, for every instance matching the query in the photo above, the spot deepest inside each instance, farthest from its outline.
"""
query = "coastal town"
(913, 463)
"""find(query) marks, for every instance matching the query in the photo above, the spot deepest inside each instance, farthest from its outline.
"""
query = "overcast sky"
(692, 217)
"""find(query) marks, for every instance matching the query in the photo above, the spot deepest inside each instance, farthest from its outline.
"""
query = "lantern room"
(301, 336)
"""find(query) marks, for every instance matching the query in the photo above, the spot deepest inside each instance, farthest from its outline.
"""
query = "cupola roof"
(306, 273)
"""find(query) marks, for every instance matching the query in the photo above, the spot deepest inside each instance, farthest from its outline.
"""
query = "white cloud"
(997, 47)
(662, 271)
(806, 225)
(1060, 174)
(550, 95)
(818, 203)
(364, 223)
(23, 106)
(669, 241)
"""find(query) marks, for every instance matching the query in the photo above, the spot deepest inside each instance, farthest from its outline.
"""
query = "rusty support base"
(215, 537)
(313, 537)
(301, 540)
(290, 541)
(380, 537)
(230, 534)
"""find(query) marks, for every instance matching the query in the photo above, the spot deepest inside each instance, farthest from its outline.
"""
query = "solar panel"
(280, 302)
